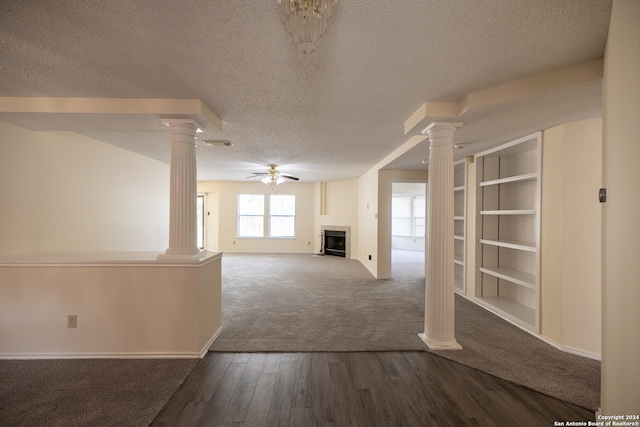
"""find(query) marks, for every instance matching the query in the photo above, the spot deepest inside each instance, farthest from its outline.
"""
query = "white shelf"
(519, 313)
(511, 244)
(509, 212)
(511, 179)
(508, 203)
(459, 217)
(514, 276)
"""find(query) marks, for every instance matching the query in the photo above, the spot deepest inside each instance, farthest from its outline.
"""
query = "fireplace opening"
(335, 243)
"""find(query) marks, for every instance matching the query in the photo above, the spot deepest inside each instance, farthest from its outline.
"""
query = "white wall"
(571, 236)
(227, 217)
(621, 232)
(65, 192)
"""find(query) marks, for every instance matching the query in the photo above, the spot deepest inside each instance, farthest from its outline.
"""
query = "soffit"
(326, 116)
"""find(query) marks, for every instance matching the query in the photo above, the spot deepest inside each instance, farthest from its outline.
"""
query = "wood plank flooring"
(354, 389)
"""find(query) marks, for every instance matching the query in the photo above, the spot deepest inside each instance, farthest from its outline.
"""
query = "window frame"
(239, 230)
(272, 215)
(412, 218)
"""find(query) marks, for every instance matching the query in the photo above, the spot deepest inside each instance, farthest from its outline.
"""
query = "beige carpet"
(88, 392)
(294, 303)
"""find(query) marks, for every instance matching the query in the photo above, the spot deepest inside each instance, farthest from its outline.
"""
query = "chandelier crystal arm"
(306, 20)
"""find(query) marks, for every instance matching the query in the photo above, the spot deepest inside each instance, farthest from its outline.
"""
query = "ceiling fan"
(273, 176)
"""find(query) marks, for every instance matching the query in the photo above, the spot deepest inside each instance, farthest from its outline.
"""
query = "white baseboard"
(133, 355)
(205, 349)
(34, 356)
(568, 349)
(542, 338)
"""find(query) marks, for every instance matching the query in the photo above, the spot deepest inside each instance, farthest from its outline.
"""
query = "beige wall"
(126, 309)
(551, 235)
(337, 204)
(368, 221)
(621, 230)
(227, 217)
(571, 236)
(582, 237)
(212, 221)
(66, 192)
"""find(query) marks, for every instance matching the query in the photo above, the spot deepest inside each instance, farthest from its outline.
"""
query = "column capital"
(182, 130)
(441, 133)
(436, 125)
(171, 121)
(440, 129)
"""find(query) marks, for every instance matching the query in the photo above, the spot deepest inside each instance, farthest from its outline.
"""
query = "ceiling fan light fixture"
(306, 20)
(273, 176)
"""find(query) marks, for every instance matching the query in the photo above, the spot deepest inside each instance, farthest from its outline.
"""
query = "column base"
(182, 257)
(440, 345)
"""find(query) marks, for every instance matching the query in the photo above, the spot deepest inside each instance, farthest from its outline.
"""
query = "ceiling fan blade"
(286, 175)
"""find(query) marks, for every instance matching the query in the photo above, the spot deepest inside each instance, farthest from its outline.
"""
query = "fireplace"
(335, 241)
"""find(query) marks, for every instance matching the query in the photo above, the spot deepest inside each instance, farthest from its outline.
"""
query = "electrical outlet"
(72, 321)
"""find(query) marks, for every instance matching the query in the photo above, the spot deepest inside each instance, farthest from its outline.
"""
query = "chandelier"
(306, 20)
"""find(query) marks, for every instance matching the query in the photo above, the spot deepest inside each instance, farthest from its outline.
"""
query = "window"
(408, 216)
(401, 208)
(250, 215)
(282, 215)
(419, 216)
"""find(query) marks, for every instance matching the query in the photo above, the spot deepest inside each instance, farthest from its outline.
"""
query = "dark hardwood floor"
(354, 389)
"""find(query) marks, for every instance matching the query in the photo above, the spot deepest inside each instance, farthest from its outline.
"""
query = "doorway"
(408, 226)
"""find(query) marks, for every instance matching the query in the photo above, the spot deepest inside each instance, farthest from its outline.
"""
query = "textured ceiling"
(326, 116)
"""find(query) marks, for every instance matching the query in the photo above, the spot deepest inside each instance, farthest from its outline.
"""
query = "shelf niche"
(459, 226)
(508, 230)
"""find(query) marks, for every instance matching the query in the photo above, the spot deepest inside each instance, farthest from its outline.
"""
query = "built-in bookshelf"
(459, 215)
(508, 230)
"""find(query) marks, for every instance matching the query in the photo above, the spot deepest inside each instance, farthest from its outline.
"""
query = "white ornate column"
(439, 268)
(183, 242)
